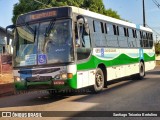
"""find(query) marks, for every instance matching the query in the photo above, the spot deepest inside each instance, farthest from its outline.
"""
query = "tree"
(157, 48)
(25, 6)
(111, 13)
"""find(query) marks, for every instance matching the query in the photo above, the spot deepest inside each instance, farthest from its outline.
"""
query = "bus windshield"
(44, 43)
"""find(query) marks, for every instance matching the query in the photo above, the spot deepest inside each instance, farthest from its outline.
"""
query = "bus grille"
(39, 79)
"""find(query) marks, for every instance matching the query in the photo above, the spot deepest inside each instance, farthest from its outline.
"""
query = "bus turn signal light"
(69, 75)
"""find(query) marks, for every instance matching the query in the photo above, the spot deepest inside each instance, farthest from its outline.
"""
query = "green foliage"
(94, 5)
(157, 48)
(111, 13)
(25, 6)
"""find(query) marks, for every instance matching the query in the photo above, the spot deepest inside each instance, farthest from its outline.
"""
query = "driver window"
(83, 42)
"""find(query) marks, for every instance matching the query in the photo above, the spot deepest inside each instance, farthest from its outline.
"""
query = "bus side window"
(98, 34)
(111, 36)
(150, 40)
(131, 39)
(125, 32)
(84, 47)
(135, 32)
(138, 38)
(102, 27)
(86, 39)
(122, 38)
(141, 38)
(145, 40)
(106, 31)
(114, 29)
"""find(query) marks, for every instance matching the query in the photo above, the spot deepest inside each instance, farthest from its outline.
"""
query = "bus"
(63, 48)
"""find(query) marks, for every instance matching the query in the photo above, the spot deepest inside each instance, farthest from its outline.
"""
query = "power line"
(43, 3)
(156, 3)
(153, 30)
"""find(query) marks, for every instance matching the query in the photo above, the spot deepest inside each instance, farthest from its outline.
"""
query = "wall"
(5, 64)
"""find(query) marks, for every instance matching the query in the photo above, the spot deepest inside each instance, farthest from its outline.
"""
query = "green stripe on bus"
(73, 82)
(148, 58)
(122, 59)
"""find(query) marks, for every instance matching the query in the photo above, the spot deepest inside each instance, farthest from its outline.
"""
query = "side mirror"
(9, 27)
(82, 20)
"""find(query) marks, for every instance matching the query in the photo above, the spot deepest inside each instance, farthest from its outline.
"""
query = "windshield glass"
(44, 43)
(25, 45)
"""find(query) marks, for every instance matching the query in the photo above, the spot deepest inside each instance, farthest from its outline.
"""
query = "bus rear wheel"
(141, 73)
(99, 81)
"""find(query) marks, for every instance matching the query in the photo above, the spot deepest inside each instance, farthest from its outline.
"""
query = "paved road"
(125, 95)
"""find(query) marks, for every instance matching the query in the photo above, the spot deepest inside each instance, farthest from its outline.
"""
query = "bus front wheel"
(99, 81)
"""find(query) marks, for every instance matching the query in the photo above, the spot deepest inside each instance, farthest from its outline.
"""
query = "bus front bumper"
(41, 85)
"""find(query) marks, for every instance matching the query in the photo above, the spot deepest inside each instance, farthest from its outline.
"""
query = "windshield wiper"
(35, 31)
(31, 29)
(47, 32)
(49, 28)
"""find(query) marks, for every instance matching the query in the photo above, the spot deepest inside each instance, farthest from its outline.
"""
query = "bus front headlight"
(63, 76)
(17, 78)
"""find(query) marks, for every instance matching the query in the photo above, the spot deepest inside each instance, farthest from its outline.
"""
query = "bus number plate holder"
(58, 82)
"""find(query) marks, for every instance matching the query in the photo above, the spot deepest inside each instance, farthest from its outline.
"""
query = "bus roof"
(107, 18)
(93, 15)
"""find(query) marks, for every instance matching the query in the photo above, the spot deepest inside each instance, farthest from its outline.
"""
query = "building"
(5, 51)
(3, 41)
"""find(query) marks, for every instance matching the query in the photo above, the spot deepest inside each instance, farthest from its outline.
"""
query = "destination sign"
(43, 15)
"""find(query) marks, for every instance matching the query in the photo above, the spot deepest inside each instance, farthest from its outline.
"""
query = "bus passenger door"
(83, 51)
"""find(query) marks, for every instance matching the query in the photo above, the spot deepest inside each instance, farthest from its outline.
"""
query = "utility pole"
(144, 18)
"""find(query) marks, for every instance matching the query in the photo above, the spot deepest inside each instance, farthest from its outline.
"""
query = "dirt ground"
(158, 62)
(6, 84)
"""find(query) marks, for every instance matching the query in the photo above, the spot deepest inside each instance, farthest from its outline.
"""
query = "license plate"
(58, 82)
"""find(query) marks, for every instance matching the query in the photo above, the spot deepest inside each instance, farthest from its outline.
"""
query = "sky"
(130, 10)
(6, 12)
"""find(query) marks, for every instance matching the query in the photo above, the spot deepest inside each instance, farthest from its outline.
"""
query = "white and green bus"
(71, 48)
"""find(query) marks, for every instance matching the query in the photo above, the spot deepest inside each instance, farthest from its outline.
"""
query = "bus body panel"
(118, 62)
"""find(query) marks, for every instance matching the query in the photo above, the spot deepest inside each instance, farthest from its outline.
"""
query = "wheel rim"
(99, 80)
(141, 71)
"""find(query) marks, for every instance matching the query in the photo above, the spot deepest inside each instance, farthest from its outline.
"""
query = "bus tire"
(141, 73)
(99, 81)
